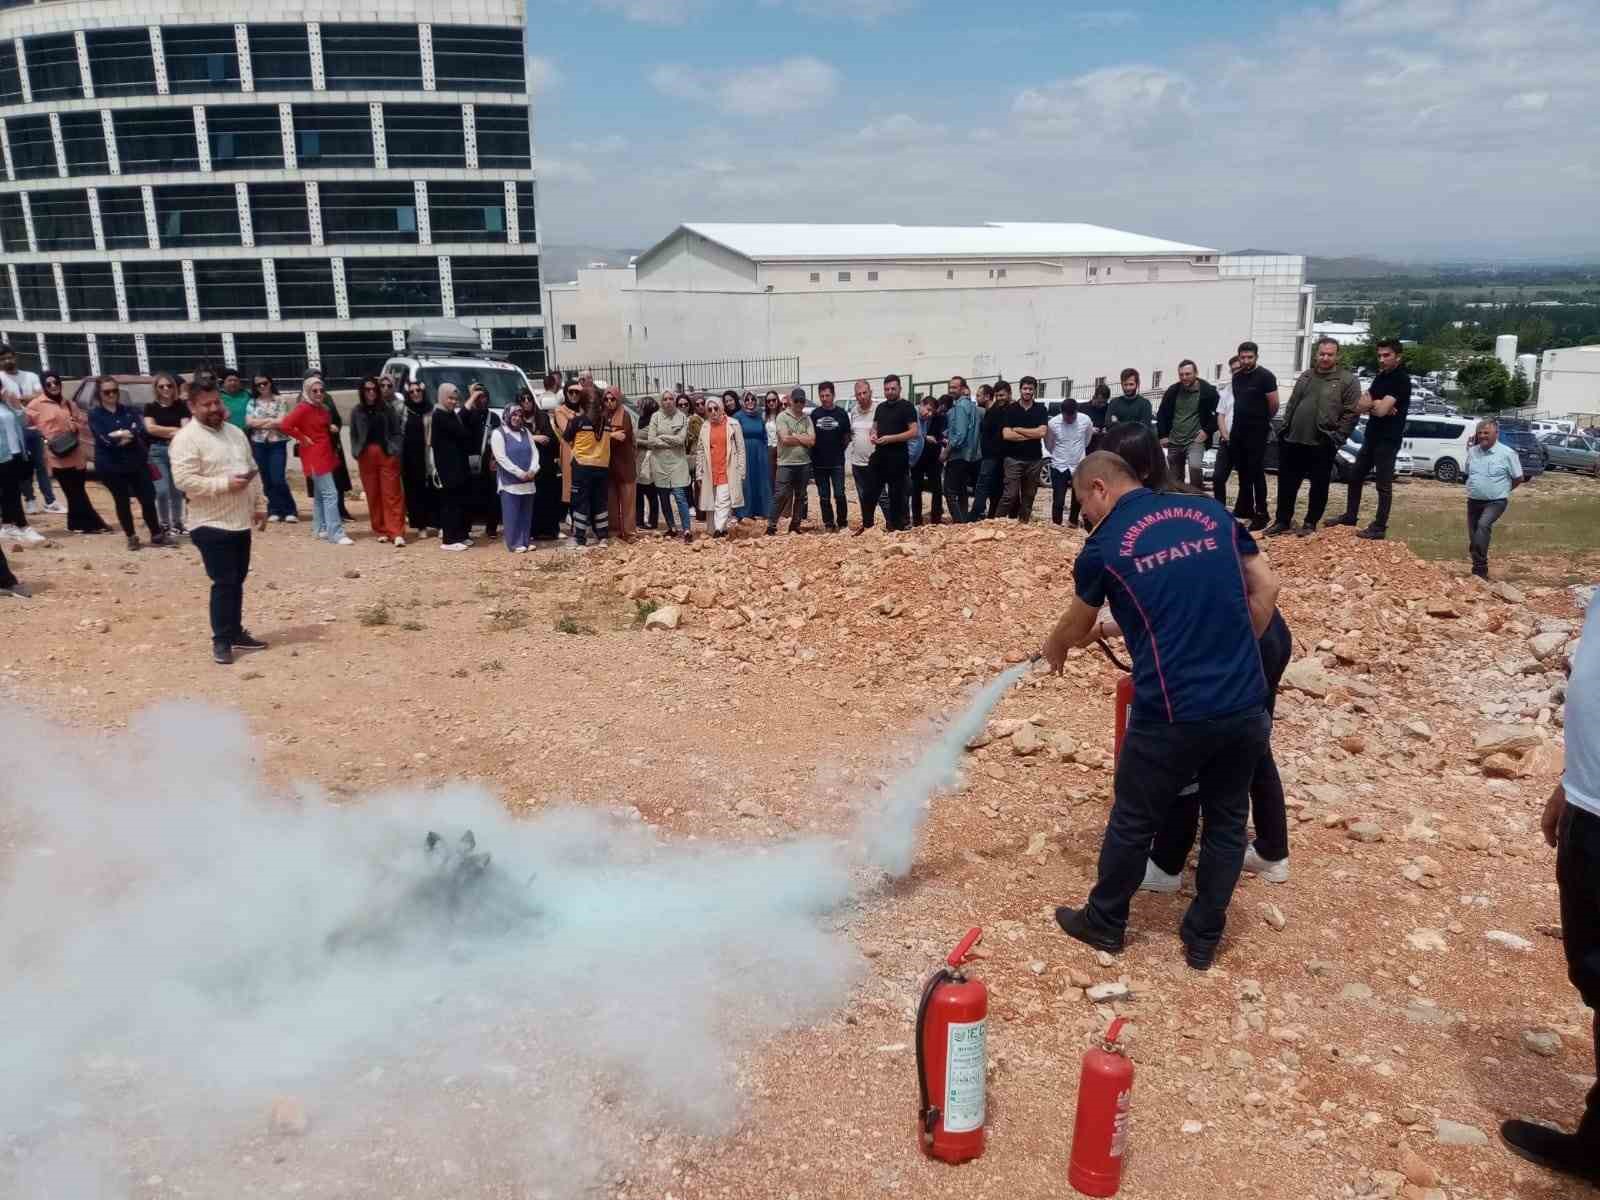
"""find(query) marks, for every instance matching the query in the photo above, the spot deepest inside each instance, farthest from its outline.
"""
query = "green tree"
(1484, 383)
(1518, 393)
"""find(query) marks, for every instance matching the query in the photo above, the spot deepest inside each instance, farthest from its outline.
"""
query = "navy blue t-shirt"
(1170, 566)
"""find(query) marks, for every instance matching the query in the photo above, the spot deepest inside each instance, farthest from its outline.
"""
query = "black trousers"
(1248, 457)
(1299, 464)
(1219, 473)
(7, 579)
(991, 485)
(1578, 881)
(455, 519)
(81, 515)
(1379, 457)
(590, 503)
(226, 555)
(830, 496)
(959, 475)
(927, 476)
(885, 476)
(125, 486)
(1061, 490)
(1158, 761)
(12, 472)
(1267, 809)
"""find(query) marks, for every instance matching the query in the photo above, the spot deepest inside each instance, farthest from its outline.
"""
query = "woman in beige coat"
(721, 466)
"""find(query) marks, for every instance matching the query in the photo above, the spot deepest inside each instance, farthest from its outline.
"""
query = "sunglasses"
(110, 391)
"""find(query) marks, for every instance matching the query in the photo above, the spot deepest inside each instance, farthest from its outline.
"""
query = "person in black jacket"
(480, 422)
(451, 446)
(422, 497)
(1187, 421)
(991, 470)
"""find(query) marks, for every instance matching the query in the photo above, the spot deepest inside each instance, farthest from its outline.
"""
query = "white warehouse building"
(1569, 381)
(1069, 303)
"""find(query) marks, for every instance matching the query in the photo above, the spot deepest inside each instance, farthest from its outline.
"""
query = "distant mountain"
(1359, 267)
(560, 263)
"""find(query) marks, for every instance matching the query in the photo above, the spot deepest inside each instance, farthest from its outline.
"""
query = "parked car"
(1572, 452)
(1438, 445)
(1520, 437)
(1344, 461)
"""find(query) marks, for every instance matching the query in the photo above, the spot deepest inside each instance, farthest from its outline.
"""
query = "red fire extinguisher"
(1105, 1091)
(952, 1026)
(1124, 696)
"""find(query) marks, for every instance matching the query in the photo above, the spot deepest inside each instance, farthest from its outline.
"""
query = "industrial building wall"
(1082, 332)
(1569, 381)
(690, 263)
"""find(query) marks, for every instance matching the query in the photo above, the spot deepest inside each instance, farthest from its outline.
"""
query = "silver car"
(1572, 452)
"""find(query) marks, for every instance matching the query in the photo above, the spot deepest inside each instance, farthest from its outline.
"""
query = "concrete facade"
(1569, 382)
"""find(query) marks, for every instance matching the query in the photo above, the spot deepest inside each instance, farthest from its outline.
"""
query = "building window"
(122, 219)
(183, 352)
(10, 77)
(230, 290)
(280, 355)
(61, 220)
(523, 346)
(33, 150)
(280, 57)
(37, 283)
(503, 138)
(156, 139)
(85, 141)
(478, 58)
(118, 355)
(1000, 274)
(69, 354)
(1151, 274)
(1155, 379)
(278, 214)
(1093, 271)
(816, 277)
(872, 277)
(526, 226)
(91, 294)
(844, 276)
(1066, 387)
(120, 62)
(496, 287)
(1218, 372)
(201, 58)
(392, 287)
(426, 135)
(244, 136)
(467, 212)
(348, 358)
(371, 57)
(155, 293)
(1099, 382)
(333, 135)
(949, 274)
(370, 212)
(305, 287)
(569, 333)
(206, 215)
(53, 67)
(13, 230)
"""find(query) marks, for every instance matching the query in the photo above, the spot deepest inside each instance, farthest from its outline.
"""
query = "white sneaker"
(519, 550)
(321, 536)
(275, 520)
(10, 533)
(56, 507)
(291, 519)
(30, 536)
(31, 507)
(454, 546)
(1269, 871)
(344, 541)
(399, 541)
(1157, 880)
(383, 539)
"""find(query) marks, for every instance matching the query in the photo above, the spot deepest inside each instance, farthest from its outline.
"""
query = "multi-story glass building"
(268, 187)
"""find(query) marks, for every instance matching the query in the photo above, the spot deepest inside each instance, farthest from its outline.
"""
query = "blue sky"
(1401, 127)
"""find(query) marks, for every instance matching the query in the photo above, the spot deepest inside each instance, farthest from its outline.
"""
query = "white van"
(1540, 428)
(1438, 445)
(441, 351)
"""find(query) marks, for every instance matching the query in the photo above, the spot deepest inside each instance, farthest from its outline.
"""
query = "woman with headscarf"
(588, 436)
(669, 463)
(647, 506)
(758, 475)
(622, 473)
(721, 455)
(479, 420)
(547, 484)
(311, 424)
(516, 466)
(269, 445)
(64, 427)
(572, 404)
(341, 468)
(416, 477)
(771, 407)
(551, 395)
(449, 449)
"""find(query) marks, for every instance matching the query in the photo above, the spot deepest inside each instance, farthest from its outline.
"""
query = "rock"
(1190, 1128)
(1417, 1169)
(1441, 608)
(1254, 1100)
(1454, 1133)
(1037, 967)
(1353, 743)
(1100, 993)
(1026, 740)
(1426, 939)
(1364, 831)
(1501, 766)
(1547, 645)
(1410, 1116)
(1510, 941)
(1358, 993)
(1063, 746)
(287, 1117)
(1420, 730)
(1037, 844)
(1546, 1043)
(1511, 595)
(1273, 916)
(749, 808)
(665, 617)
(1505, 739)
(1307, 675)
(979, 740)
(703, 597)
(1319, 968)
(680, 594)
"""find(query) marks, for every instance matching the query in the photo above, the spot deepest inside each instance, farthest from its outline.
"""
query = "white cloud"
(651, 12)
(1130, 102)
(794, 85)
(601, 147)
(1528, 102)
(867, 12)
(900, 129)
(543, 75)
(1102, 18)
(563, 170)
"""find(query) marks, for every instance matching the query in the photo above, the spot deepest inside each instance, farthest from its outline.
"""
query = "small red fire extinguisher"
(1105, 1093)
(1124, 696)
(952, 1027)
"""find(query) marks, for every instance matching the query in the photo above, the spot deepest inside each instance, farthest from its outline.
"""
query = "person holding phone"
(213, 464)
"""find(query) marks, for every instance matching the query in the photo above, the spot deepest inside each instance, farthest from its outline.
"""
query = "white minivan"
(1438, 445)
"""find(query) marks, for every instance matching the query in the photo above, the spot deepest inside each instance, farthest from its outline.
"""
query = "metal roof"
(994, 239)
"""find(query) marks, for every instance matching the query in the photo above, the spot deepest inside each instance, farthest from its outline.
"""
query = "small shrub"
(412, 626)
(374, 614)
(459, 673)
(494, 666)
(504, 620)
(642, 610)
(566, 623)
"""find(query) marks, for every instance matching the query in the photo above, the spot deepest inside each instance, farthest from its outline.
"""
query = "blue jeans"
(272, 458)
(325, 507)
(677, 497)
(169, 500)
(33, 440)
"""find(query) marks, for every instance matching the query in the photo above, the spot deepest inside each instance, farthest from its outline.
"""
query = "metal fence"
(641, 379)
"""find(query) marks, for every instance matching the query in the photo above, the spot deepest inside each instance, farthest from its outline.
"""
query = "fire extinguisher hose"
(929, 1113)
(1112, 655)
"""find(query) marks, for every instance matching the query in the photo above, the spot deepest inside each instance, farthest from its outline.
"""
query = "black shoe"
(1305, 531)
(163, 539)
(222, 653)
(1075, 925)
(1346, 519)
(1481, 572)
(772, 531)
(1551, 1149)
(1277, 529)
(1199, 959)
(1372, 534)
(1257, 525)
(244, 640)
(716, 533)
(830, 529)
(133, 541)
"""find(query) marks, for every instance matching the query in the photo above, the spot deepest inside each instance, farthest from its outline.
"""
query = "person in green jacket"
(1130, 407)
(235, 398)
(666, 439)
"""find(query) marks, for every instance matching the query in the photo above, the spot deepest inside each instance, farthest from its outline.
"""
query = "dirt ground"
(1304, 1065)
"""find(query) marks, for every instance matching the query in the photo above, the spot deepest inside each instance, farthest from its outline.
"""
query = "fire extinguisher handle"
(964, 947)
(1114, 1029)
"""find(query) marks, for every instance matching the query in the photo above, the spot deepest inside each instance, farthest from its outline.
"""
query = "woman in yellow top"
(588, 434)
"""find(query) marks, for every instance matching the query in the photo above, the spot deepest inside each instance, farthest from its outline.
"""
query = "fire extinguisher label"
(1119, 1127)
(966, 1058)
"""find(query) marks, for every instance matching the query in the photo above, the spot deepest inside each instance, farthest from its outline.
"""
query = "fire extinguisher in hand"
(1124, 698)
(952, 1026)
(1105, 1093)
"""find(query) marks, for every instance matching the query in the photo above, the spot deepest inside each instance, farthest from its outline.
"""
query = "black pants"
(830, 496)
(1578, 881)
(1481, 516)
(590, 503)
(885, 476)
(12, 472)
(927, 476)
(1219, 473)
(959, 474)
(455, 520)
(226, 554)
(1379, 456)
(81, 516)
(991, 486)
(647, 507)
(125, 486)
(1248, 457)
(1158, 761)
(1299, 464)
(1267, 810)
(1061, 490)
(7, 579)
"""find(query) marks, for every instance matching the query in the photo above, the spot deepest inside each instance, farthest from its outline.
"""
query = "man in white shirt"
(1222, 465)
(1066, 437)
(17, 387)
(861, 446)
(1572, 825)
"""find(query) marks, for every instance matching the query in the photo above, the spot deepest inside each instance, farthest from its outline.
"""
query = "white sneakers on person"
(31, 507)
(1269, 871)
(291, 519)
(344, 541)
(1157, 880)
(25, 534)
(399, 541)
(276, 519)
(383, 539)
(56, 507)
(454, 546)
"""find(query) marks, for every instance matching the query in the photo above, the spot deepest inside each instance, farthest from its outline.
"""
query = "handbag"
(63, 444)
(475, 461)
